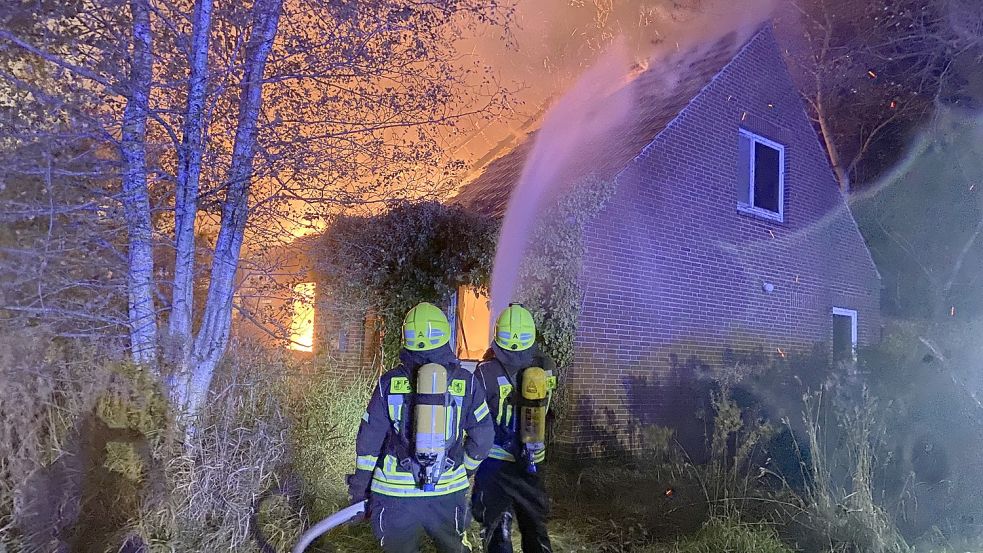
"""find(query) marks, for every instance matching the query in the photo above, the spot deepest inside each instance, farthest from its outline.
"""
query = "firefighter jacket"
(501, 373)
(385, 462)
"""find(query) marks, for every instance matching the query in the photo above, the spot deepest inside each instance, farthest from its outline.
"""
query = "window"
(473, 323)
(302, 321)
(760, 176)
(844, 334)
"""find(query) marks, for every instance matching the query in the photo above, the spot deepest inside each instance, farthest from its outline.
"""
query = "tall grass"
(52, 403)
(229, 490)
(328, 415)
(844, 448)
(90, 458)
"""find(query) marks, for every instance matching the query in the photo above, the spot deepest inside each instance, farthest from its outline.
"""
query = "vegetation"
(244, 121)
(549, 273)
(413, 252)
(272, 460)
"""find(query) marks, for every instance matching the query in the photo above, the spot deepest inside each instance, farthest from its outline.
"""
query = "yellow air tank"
(532, 414)
(430, 423)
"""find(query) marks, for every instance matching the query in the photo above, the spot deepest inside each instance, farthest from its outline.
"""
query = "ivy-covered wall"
(548, 283)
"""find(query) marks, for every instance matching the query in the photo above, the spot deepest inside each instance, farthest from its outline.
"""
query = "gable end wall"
(673, 274)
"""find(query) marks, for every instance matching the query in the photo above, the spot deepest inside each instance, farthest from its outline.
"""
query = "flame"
(302, 323)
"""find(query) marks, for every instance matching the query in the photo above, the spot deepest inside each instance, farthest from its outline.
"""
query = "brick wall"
(344, 343)
(673, 273)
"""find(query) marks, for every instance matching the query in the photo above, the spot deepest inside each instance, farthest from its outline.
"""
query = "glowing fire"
(302, 323)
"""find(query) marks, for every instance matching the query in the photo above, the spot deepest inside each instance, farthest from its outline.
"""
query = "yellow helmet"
(515, 329)
(425, 327)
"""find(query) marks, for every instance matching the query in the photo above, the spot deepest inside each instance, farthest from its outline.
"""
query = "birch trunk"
(186, 195)
(213, 336)
(136, 202)
(842, 173)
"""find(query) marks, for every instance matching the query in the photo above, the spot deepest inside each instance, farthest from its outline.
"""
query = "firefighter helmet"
(515, 329)
(425, 328)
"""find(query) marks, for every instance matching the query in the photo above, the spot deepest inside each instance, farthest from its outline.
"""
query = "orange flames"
(302, 322)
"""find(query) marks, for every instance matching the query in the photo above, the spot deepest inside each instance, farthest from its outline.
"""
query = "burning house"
(725, 232)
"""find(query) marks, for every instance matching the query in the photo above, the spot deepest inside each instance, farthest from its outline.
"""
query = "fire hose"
(349, 514)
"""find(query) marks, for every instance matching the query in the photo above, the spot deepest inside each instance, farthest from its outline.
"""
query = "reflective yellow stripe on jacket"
(389, 480)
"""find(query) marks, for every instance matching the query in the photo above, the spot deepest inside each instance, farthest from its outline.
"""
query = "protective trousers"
(399, 523)
(501, 489)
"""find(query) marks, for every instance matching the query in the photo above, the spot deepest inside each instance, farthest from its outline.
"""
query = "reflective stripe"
(397, 490)
(389, 473)
(470, 463)
(458, 401)
(449, 431)
(481, 412)
(366, 462)
(501, 454)
(395, 409)
(504, 388)
(387, 481)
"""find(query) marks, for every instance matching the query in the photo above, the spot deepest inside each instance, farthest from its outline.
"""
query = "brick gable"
(673, 274)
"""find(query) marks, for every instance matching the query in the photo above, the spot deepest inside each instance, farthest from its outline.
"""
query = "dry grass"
(52, 402)
(841, 496)
(328, 415)
(89, 457)
(229, 489)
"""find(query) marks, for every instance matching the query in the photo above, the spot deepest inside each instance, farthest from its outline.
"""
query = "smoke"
(589, 108)
(599, 103)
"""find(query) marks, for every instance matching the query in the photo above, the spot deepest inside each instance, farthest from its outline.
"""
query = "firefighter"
(510, 482)
(413, 471)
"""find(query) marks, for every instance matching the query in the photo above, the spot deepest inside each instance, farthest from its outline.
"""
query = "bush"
(93, 460)
(72, 425)
(229, 489)
(413, 252)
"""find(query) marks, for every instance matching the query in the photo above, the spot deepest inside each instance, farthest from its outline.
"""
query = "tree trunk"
(136, 201)
(178, 347)
(842, 173)
(213, 336)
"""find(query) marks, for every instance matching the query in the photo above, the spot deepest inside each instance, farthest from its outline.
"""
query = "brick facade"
(674, 274)
(345, 338)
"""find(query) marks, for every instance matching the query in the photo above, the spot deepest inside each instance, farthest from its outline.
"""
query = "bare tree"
(213, 336)
(235, 124)
(923, 223)
(870, 69)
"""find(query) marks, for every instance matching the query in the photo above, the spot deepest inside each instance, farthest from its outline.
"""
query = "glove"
(357, 489)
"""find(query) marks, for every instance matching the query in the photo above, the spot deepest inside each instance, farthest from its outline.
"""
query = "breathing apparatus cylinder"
(430, 423)
(532, 414)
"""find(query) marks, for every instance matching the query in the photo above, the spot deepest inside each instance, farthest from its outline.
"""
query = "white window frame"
(852, 313)
(750, 208)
